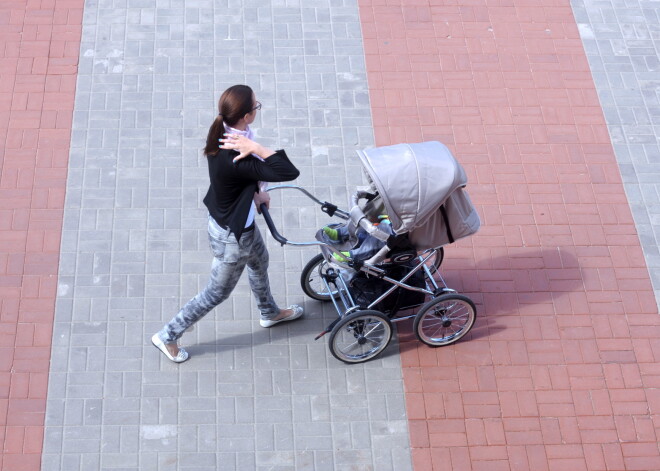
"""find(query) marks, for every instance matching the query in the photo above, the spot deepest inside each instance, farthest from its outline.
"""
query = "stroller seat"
(367, 236)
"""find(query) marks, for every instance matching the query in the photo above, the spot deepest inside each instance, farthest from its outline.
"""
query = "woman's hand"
(244, 147)
(261, 197)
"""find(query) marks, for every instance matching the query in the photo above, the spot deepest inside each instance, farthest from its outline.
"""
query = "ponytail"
(216, 131)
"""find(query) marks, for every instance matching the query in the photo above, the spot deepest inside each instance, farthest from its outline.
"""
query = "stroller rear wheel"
(311, 279)
(360, 336)
(445, 319)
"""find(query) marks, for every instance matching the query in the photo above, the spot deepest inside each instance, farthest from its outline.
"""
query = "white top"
(263, 186)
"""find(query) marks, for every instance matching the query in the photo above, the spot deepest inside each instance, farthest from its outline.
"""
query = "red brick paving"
(39, 43)
(561, 371)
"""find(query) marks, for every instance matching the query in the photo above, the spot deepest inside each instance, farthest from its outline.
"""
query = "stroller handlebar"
(280, 238)
(329, 208)
(326, 207)
(271, 225)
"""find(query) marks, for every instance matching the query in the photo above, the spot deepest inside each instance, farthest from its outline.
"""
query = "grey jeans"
(229, 259)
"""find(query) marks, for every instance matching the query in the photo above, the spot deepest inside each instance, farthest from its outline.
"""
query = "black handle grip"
(271, 224)
(329, 208)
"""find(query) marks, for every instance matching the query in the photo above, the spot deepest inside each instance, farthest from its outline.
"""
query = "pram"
(420, 187)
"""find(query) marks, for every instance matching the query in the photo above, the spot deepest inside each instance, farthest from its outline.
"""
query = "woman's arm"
(275, 166)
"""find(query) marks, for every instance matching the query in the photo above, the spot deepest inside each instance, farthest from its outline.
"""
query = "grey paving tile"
(134, 246)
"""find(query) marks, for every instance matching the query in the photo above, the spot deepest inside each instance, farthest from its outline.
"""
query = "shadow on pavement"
(529, 282)
(526, 283)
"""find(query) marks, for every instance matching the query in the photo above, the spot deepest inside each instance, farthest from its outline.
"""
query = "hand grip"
(271, 224)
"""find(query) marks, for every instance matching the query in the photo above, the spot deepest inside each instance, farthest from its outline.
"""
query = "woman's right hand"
(244, 146)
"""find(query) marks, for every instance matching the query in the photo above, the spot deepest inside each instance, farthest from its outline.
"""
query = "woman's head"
(236, 103)
(237, 107)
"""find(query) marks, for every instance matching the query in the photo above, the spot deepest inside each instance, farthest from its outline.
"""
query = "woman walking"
(238, 168)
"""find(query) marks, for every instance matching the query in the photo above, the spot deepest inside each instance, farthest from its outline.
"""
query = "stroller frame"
(361, 332)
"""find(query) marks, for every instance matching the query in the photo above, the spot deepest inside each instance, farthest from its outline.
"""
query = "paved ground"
(561, 371)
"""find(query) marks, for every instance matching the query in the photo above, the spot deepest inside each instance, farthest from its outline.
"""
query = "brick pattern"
(560, 371)
(620, 39)
(39, 44)
(135, 248)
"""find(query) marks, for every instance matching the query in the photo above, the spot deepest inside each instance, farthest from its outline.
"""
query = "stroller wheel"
(445, 319)
(312, 282)
(360, 336)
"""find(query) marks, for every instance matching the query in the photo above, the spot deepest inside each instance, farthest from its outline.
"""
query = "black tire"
(445, 320)
(360, 336)
(311, 281)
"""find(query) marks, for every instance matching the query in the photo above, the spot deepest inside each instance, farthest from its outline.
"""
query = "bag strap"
(443, 211)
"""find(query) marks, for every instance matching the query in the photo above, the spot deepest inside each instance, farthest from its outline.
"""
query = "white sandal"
(297, 312)
(160, 345)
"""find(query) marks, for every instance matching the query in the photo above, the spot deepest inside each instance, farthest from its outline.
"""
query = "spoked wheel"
(312, 282)
(360, 336)
(445, 319)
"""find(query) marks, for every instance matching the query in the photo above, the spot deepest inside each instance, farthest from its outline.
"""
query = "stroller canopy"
(413, 180)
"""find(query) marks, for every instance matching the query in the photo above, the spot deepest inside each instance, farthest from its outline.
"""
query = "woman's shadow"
(247, 334)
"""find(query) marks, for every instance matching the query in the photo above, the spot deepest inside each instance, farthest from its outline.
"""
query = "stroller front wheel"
(360, 336)
(311, 280)
(445, 319)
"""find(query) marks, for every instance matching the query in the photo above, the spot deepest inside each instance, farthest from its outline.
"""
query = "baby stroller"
(420, 188)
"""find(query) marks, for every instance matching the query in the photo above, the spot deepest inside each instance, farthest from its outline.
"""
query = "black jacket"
(233, 185)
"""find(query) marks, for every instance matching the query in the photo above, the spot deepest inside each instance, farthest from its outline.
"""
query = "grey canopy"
(421, 188)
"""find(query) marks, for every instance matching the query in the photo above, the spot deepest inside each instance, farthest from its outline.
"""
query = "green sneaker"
(339, 258)
(331, 233)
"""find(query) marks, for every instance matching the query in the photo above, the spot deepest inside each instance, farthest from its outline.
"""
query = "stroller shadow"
(527, 282)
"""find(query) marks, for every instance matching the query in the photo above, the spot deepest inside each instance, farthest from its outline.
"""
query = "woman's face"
(250, 117)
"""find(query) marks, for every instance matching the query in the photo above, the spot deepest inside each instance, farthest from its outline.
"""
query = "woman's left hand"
(261, 197)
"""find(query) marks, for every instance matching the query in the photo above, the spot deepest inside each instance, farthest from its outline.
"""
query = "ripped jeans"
(229, 259)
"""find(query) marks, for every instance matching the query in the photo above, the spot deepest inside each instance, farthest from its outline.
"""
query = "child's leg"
(338, 234)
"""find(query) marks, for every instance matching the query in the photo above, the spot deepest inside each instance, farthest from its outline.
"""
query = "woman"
(237, 165)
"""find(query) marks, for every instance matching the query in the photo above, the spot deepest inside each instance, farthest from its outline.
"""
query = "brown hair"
(234, 104)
